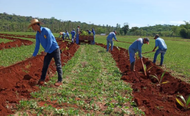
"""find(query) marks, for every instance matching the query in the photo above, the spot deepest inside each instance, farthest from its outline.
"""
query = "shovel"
(125, 42)
(147, 52)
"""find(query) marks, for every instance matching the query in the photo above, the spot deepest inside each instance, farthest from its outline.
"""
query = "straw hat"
(33, 21)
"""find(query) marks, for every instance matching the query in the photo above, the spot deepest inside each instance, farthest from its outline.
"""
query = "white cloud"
(177, 22)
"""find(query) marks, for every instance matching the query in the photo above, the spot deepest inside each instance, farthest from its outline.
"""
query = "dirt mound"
(15, 43)
(154, 100)
(13, 35)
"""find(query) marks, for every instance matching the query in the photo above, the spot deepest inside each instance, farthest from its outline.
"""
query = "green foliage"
(159, 79)
(16, 23)
(162, 30)
(125, 28)
(5, 40)
(84, 33)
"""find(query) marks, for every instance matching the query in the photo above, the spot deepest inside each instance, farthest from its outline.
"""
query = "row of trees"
(18, 23)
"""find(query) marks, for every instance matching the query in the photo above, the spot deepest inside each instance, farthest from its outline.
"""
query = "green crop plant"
(160, 80)
(118, 48)
(182, 102)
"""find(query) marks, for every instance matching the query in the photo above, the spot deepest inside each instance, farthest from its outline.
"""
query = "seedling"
(159, 80)
(145, 68)
(182, 102)
(118, 48)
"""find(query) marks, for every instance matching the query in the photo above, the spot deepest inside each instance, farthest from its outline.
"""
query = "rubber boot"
(132, 66)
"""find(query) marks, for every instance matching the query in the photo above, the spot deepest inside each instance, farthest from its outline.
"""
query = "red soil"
(15, 43)
(19, 80)
(13, 35)
(152, 99)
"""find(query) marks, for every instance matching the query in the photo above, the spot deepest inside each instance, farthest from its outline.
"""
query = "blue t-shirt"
(93, 32)
(111, 35)
(159, 42)
(136, 46)
(73, 33)
(47, 40)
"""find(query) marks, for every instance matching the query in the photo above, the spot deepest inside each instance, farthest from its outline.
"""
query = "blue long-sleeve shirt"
(93, 32)
(47, 40)
(89, 32)
(136, 46)
(111, 35)
(73, 33)
(67, 33)
(159, 42)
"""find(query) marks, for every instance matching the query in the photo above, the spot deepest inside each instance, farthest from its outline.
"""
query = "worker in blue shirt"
(45, 37)
(67, 35)
(93, 32)
(73, 35)
(136, 47)
(89, 32)
(110, 41)
(162, 48)
(77, 34)
(62, 34)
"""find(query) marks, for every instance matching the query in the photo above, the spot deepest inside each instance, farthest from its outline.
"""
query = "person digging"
(136, 47)
(162, 48)
(45, 37)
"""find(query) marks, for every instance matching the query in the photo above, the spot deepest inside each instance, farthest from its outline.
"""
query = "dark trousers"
(47, 59)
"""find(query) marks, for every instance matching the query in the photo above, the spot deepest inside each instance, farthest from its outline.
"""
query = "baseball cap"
(156, 36)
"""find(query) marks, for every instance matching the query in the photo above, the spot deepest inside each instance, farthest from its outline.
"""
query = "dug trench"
(16, 42)
(19, 80)
(154, 100)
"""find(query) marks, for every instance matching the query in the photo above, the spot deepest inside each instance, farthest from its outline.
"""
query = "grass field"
(5, 40)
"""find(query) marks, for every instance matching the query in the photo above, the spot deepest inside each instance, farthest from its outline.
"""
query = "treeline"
(182, 30)
(17, 23)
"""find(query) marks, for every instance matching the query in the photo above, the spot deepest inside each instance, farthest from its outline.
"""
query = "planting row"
(155, 93)
(19, 80)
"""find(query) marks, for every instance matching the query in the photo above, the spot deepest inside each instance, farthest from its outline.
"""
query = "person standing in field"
(110, 41)
(93, 32)
(73, 35)
(77, 34)
(162, 48)
(136, 47)
(45, 37)
(67, 35)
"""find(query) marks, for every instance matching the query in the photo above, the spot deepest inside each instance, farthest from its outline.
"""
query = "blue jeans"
(131, 55)
(158, 51)
(108, 44)
(93, 42)
(67, 36)
(63, 36)
(73, 37)
(77, 39)
(47, 59)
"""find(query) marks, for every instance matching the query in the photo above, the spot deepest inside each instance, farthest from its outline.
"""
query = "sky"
(135, 13)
